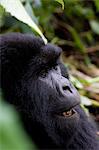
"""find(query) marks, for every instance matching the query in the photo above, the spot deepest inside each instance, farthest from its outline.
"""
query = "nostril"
(65, 88)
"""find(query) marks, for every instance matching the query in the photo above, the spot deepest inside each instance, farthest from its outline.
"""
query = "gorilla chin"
(37, 84)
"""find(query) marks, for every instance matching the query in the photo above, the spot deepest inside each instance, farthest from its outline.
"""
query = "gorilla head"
(35, 81)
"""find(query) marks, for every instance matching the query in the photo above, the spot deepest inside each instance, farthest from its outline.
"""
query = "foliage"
(17, 10)
(12, 136)
(61, 2)
(73, 25)
(76, 28)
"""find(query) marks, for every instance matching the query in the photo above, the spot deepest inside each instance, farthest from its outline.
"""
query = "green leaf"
(17, 10)
(94, 80)
(86, 101)
(97, 4)
(61, 2)
(95, 26)
(12, 135)
(2, 12)
(79, 44)
(85, 109)
(30, 11)
(76, 82)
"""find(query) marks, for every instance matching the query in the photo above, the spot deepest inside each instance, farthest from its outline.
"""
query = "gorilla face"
(56, 106)
(53, 96)
(35, 81)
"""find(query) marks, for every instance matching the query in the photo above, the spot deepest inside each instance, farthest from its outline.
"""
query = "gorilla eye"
(71, 112)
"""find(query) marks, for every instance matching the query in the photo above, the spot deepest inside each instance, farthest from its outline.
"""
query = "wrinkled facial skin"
(35, 81)
(57, 95)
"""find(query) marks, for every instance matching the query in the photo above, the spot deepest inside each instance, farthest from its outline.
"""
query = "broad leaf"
(61, 2)
(95, 26)
(17, 10)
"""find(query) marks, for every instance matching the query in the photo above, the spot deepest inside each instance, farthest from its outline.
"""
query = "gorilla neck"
(83, 139)
(39, 135)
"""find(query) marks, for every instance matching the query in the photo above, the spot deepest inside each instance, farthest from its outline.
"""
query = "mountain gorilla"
(35, 81)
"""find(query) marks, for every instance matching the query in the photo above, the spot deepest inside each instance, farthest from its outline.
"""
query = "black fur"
(34, 80)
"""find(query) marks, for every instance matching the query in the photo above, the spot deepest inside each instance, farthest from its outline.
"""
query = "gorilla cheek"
(61, 130)
(68, 126)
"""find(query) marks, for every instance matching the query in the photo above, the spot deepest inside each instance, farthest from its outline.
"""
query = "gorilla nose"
(65, 85)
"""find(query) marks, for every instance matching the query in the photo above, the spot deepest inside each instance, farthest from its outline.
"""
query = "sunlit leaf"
(76, 82)
(95, 26)
(17, 10)
(61, 2)
(86, 101)
(94, 80)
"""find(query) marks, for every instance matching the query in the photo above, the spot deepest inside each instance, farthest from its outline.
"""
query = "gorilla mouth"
(68, 113)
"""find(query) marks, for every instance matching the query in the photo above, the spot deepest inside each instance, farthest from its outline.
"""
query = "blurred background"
(74, 26)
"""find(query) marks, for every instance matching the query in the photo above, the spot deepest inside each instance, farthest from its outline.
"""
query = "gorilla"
(36, 83)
